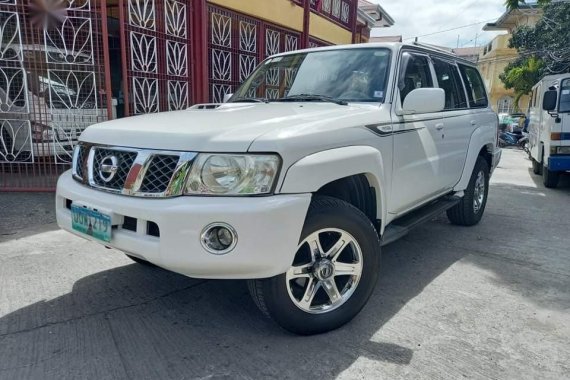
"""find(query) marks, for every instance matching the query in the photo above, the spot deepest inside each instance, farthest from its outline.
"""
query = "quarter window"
(475, 88)
(414, 73)
(449, 80)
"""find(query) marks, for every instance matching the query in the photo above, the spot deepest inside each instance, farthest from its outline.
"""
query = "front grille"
(124, 162)
(159, 173)
(81, 156)
(139, 172)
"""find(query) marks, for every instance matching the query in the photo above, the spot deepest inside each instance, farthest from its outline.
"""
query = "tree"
(521, 75)
(514, 4)
(543, 49)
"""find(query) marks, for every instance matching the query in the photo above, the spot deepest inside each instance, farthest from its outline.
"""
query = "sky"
(416, 18)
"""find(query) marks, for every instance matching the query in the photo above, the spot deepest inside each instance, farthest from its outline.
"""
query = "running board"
(401, 226)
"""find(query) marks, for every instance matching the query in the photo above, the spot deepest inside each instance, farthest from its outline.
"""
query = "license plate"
(91, 222)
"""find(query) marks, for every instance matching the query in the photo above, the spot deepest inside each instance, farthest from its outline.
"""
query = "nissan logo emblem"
(108, 168)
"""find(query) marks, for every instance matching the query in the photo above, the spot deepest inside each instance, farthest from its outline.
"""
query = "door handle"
(439, 126)
(473, 123)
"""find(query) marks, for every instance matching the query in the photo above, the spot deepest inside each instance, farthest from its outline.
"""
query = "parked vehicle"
(512, 138)
(298, 180)
(549, 128)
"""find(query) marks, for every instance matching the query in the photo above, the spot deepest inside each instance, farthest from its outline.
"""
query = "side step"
(401, 226)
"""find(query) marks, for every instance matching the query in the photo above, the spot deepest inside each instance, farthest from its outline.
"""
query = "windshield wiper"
(250, 100)
(311, 97)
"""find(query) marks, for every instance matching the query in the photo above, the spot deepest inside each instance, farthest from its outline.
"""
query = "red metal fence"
(67, 64)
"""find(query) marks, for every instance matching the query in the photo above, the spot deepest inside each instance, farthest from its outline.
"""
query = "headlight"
(232, 174)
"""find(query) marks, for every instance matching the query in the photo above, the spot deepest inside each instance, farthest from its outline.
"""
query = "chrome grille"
(125, 162)
(81, 156)
(159, 173)
(136, 172)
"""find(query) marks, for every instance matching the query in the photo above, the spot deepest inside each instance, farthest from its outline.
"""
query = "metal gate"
(51, 86)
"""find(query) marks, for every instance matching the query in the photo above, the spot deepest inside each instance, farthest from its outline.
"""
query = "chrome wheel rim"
(326, 271)
(479, 193)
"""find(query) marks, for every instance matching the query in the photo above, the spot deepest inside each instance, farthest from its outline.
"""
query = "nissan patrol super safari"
(319, 158)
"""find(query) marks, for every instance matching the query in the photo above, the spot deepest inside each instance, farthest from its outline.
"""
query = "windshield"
(353, 75)
(565, 96)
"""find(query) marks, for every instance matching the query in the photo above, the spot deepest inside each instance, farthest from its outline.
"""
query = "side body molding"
(311, 173)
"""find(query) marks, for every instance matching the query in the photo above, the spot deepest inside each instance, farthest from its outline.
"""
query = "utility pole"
(458, 41)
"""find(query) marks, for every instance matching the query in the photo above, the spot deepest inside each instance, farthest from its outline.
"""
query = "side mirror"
(227, 97)
(424, 100)
(550, 100)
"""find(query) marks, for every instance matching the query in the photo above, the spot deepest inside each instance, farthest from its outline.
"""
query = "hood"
(228, 128)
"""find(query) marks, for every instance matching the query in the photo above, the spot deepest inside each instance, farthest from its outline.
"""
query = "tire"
(470, 209)
(138, 260)
(536, 167)
(281, 297)
(550, 178)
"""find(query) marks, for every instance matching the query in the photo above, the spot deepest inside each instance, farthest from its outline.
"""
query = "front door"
(417, 170)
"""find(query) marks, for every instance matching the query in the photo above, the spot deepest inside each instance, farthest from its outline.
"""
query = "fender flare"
(479, 140)
(314, 171)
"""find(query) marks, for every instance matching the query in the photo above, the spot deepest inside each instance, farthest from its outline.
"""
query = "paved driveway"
(492, 301)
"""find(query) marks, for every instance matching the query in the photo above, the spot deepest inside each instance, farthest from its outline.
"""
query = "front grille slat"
(125, 161)
(80, 161)
(159, 173)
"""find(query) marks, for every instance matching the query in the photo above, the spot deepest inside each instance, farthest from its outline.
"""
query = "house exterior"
(496, 55)
(66, 64)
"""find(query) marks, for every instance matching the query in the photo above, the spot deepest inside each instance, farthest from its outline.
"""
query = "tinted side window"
(475, 87)
(414, 73)
(448, 79)
(565, 96)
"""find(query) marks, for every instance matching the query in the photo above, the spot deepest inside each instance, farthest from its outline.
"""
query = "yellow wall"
(492, 64)
(325, 30)
(288, 15)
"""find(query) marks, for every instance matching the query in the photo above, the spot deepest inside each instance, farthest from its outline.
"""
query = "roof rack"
(434, 47)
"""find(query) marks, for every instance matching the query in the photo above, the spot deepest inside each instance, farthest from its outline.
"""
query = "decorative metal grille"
(51, 86)
(237, 45)
(158, 74)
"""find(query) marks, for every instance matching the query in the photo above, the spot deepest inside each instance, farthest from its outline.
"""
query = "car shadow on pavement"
(144, 322)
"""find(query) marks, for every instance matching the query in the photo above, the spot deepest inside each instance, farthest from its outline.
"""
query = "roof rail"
(435, 47)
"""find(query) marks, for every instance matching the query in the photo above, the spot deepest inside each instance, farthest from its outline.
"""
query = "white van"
(549, 128)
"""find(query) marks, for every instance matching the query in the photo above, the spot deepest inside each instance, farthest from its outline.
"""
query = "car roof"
(394, 46)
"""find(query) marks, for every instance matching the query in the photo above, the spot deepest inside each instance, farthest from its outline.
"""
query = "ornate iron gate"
(51, 86)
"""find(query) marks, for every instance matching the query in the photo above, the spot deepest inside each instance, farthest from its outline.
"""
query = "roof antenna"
(416, 40)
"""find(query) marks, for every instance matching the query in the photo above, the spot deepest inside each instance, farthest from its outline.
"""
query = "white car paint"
(408, 160)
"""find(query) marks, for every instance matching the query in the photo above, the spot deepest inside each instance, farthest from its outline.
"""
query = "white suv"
(321, 157)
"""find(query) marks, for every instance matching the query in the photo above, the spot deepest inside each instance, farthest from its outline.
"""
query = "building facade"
(67, 64)
(496, 55)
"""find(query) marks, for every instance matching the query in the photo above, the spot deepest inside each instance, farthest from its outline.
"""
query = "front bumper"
(559, 163)
(268, 229)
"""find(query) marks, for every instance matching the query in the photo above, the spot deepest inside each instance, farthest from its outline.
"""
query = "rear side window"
(475, 88)
(414, 73)
(565, 96)
(449, 80)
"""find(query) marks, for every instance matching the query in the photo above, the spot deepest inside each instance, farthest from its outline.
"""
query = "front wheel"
(536, 167)
(332, 275)
(469, 210)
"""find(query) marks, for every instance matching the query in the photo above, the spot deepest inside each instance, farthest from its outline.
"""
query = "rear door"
(458, 122)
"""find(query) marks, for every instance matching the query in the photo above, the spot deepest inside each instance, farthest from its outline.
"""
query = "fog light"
(218, 238)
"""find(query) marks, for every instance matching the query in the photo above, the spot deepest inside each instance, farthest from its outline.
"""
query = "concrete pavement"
(487, 302)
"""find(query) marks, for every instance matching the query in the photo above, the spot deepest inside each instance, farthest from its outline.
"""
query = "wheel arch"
(336, 172)
(480, 144)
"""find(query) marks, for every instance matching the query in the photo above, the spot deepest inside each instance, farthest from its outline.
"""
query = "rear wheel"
(550, 178)
(469, 210)
(333, 273)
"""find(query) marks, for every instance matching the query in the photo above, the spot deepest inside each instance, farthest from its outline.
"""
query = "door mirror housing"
(424, 100)
(227, 97)
(550, 100)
